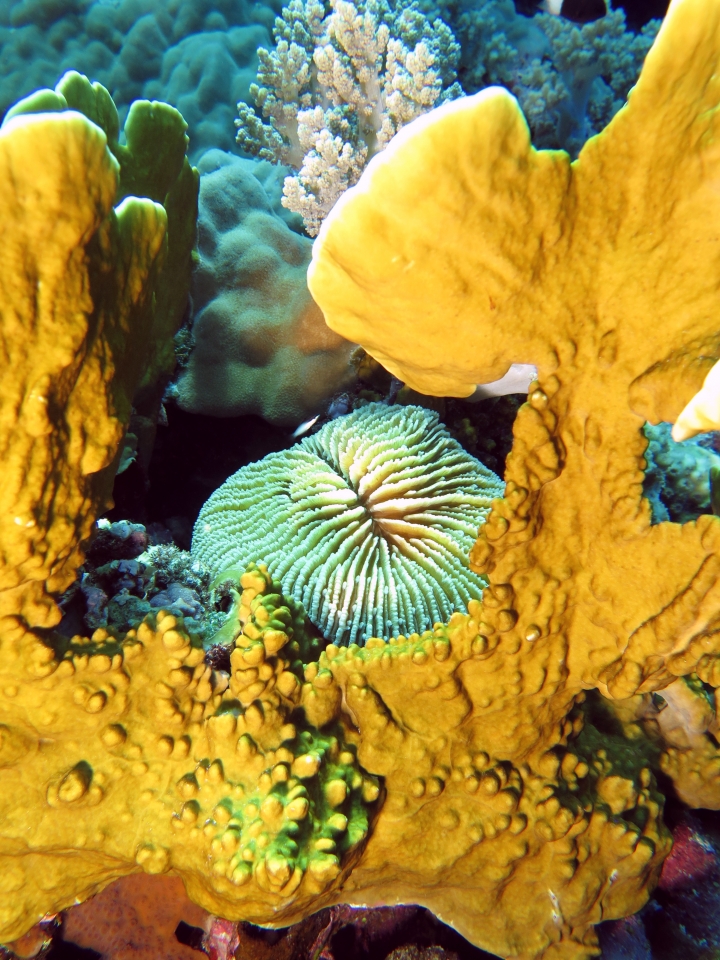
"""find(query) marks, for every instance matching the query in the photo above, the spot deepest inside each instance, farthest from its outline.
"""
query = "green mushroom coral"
(368, 523)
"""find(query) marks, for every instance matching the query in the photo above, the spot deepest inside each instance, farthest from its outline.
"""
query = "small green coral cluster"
(292, 801)
(368, 523)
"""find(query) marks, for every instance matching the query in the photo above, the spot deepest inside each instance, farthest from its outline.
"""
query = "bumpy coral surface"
(603, 273)
(263, 815)
(216, 780)
(367, 523)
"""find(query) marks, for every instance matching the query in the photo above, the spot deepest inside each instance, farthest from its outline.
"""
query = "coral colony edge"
(387, 677)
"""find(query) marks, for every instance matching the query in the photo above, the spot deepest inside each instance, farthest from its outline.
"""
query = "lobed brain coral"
(368, 523)
(260, 343)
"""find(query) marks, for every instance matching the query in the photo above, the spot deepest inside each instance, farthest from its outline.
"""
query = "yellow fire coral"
(70, 359)
(604, 274)
(88, 305)
(135, 755)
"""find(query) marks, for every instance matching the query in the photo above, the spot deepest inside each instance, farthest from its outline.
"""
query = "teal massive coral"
(368, 523)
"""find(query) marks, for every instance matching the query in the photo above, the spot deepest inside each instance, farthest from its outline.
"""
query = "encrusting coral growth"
(336, 88)
(367, 523)
(276, 811)
(453, 768)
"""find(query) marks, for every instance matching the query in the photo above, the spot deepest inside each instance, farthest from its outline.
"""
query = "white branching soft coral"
(341, 81)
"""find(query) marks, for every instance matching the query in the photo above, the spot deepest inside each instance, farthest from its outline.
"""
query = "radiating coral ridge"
(367, 523)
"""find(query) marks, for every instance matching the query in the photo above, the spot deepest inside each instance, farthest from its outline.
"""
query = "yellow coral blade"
(462, 249)
(65, 324)
(394, 267)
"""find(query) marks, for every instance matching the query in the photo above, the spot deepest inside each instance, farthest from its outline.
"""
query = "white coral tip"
(702, 412)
